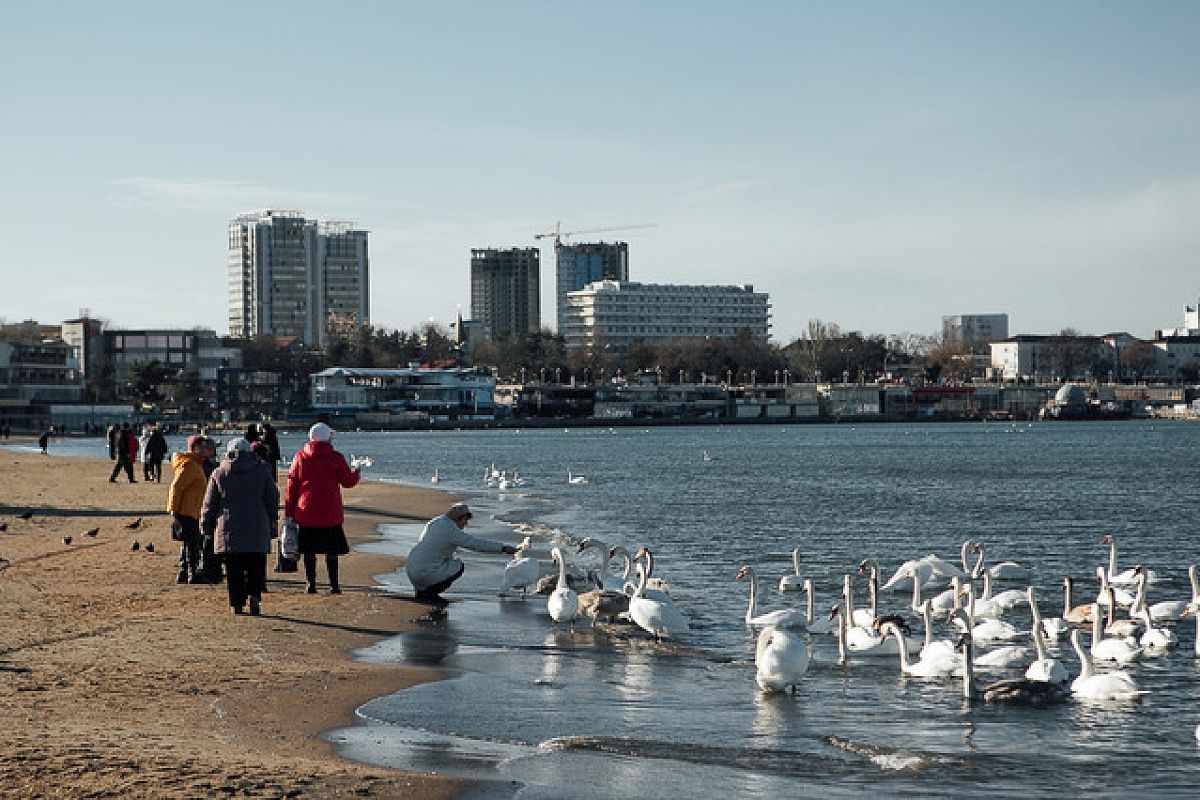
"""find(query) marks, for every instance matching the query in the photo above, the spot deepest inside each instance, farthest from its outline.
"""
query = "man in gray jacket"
(431, 565)
(241, 511)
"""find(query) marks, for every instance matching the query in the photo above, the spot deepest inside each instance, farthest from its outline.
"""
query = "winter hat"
(320, 433)
(195, 439)
(238, 445)
(458, 511)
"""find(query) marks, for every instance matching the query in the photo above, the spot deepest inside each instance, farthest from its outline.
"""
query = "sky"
(872, 164)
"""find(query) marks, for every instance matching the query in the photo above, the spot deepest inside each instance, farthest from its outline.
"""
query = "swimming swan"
(1014, 691)
(659, 618)
(783, 618)
(1091, 685)
(938, 665)
(793, 582)
(1047, 669)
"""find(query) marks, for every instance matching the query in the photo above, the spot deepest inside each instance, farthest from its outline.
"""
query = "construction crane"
(558, 234)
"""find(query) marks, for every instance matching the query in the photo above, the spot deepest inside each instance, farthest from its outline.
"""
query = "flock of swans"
(501, 479)
(965, 625)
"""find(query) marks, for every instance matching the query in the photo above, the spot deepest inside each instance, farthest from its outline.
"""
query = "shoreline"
(122, 683)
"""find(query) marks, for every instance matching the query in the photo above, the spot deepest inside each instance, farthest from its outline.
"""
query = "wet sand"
(116, 682)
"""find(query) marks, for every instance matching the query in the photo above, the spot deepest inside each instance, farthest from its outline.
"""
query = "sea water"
(531, 709)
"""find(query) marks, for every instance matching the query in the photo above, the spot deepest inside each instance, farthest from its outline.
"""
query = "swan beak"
(1186, 612)
(740, 574)
(1105, 540)
(833, 612)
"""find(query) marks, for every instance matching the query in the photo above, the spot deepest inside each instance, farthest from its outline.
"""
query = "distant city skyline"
(877, 165)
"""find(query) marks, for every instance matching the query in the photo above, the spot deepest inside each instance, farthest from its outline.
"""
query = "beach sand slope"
(116, 682)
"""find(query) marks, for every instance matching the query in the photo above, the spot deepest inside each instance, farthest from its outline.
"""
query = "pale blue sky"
(873, 164)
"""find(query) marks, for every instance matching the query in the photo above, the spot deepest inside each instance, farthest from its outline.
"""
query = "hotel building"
(577, 265)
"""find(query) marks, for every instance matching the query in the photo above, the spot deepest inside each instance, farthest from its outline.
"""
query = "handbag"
(289, 542)
(283, 563)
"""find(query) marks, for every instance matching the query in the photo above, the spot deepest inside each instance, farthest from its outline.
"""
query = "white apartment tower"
(295, 277)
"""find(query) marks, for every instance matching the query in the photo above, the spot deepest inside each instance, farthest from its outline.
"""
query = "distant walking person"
(240, 512)
(114, 434)
(126, 449)
(314, 501)
(44, 440)
(185, 499)
(431, 565)
(155, 451)
(271, 440)
(144, 451)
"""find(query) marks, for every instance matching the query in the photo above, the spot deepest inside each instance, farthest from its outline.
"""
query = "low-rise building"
(449, 393)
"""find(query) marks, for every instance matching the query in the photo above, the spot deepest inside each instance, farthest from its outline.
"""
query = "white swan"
(981, 608)
(1122, 597)
(659, 618)
(576, 480)
(783, 618)
(1195, 612)
(435, 478)
(793, 582)
(1127, 577)
(859, 637)
(522, 572)
(655, 588)
(813, 625)
(1117, 628)
(1003, 657)
(1154, 639)
(563, 603)
(780, 659)
(937, 665)
(934, 647)
(992, 630)
(1119, 650)
(1166, 609)
(1044, 668)
(864, 617)
(923, 569)
(1003, 570)
(1007, 600)
(1091, 685)
(862, 641)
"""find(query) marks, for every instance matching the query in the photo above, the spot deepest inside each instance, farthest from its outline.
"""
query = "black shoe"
(312, 589)
(335, 590)
(112, 480)
(239, 610)
(430, 597)
(182, 577)
(255, 608)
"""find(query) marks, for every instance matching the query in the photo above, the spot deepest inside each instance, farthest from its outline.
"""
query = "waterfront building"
(38, 373)
(1040, 357)
(615, 314)
(244, 393)
(975, 331)
(1178, 349)
(446, 393)
(505, 289)
(577, 265)
(292, 277)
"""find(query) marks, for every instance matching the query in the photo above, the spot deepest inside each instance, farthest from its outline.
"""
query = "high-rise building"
(975, 331)
(580, 264)
(618, 314)
(294, 277)
(505, 290)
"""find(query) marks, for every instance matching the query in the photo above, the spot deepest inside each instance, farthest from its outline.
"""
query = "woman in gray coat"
(241, 510)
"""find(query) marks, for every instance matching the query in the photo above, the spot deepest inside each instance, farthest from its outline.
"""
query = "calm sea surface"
(534, 709)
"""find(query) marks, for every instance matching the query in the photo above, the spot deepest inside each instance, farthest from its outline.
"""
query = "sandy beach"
(116, 682)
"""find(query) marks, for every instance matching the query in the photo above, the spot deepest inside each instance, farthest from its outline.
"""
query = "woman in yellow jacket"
(184, 501)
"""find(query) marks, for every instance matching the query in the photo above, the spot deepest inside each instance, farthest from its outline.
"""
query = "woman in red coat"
(314, 501)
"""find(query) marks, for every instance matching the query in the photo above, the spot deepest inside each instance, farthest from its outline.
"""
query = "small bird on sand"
(25, 515)
(149, 547)
(66, 540)
(91, 532)
(136, 545)
(134, 525)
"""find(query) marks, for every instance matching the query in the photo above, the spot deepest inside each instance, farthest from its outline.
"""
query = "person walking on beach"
(210, 562)
(144, 452)
(313, 500)
(240, 512)
(271, 440)
(431, 565)
(44, 440)
(126, 453)
(156, 451)
(114, 434)
(185, 499)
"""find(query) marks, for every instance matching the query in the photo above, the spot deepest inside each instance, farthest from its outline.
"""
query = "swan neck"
(978, 570)
(1112, 557)
(750, 609)
(927, 618)
(1066, 597)
(811, 604)
(962, 557)
(968, 669)
(902, 645)
(1195, 581)
(1140, 600)
(1085, 662)
(796, 560)
(1038, 644)
(916, 595)
(562, 570)
(849, 592)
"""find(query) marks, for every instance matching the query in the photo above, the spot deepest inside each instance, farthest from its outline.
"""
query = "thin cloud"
(227, 196)
(720, 191)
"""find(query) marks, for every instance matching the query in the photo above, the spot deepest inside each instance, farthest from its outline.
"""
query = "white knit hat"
(320, 433)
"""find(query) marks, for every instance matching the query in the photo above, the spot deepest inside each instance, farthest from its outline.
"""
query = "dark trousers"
(331, 567)
(437, 588)
(188, 529)
(122, 464)
(154, 469)
(210, 562)
(245, 576)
